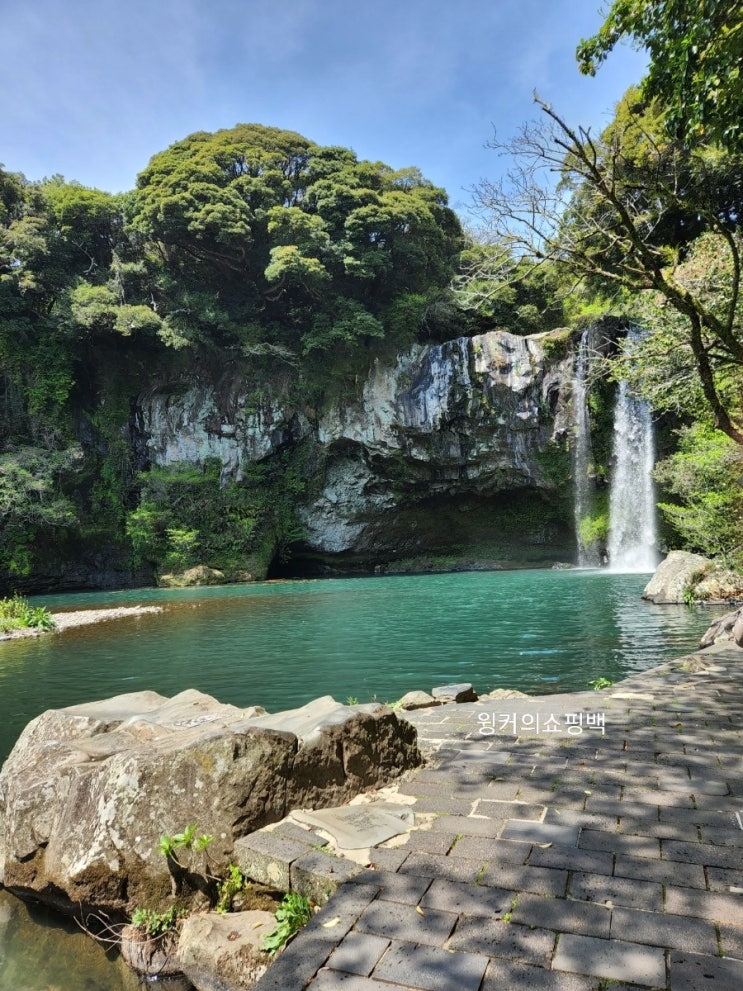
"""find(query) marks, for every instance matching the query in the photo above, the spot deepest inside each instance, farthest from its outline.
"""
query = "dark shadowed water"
(280, 644)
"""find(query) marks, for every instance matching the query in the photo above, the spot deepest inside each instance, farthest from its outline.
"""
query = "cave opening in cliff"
(445, 532)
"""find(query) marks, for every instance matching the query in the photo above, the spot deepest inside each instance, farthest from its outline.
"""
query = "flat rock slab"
(463, 692)
(611, 959)
(354, 827)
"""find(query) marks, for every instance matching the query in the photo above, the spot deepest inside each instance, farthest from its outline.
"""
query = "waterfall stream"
(632, 520)
(588, 552)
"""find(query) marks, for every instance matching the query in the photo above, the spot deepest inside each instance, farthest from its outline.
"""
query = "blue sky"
(91, 89)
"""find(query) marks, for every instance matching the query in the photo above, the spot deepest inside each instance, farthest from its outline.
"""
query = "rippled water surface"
(281, 644)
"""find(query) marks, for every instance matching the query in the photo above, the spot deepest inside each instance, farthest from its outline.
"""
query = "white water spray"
(588, 555)
(632, 521)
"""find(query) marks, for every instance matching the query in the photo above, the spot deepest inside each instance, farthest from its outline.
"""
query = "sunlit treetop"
(696, 55)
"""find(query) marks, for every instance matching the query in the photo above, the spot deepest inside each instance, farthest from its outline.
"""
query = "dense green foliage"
(704, 476)
(695, 69)
(17, 614)
(249, 248)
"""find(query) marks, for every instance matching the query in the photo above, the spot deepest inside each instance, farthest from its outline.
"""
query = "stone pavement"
(601, 849)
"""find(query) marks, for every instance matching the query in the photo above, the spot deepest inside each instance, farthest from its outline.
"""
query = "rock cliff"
(455, 452)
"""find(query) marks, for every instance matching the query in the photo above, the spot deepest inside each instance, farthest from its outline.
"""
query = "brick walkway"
(604, 858)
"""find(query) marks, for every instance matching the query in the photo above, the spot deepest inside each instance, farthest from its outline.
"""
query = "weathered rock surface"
(728, 628)
(89, 789)
(683, 576)
(674, 576)
(418, 700)
(447, 445)
(463, 692)
(222, 952)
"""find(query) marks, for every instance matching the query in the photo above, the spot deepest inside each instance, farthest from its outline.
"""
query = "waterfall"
(632, 532)
(588, 554)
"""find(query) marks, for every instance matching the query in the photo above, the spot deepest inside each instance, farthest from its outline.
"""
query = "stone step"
(290, 858)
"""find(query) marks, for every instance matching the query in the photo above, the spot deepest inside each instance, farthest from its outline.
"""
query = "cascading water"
(588, 554)
(632, 542)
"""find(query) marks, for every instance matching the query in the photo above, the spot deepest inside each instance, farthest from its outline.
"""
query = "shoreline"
(81, 617)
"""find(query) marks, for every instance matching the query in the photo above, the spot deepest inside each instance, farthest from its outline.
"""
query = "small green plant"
(154, 923)
(352, 700)
(293, 914)
(598, 683)
(17, 614)
(229, 887)
(189, 839)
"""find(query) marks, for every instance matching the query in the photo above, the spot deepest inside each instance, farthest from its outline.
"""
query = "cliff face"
(457, 452)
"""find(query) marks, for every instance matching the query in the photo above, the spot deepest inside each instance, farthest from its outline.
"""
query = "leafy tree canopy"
(696, 56)
(259, 227)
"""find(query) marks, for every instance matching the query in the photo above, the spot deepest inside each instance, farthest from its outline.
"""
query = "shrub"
(17, 614)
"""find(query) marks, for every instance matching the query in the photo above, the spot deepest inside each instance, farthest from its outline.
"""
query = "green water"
(281, 644)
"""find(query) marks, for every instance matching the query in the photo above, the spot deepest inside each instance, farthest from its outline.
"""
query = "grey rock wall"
(469, 419)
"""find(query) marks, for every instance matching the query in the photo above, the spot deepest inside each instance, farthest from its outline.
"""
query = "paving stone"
(722, 837)
(405, 888)
(476, 759)
(428, 841)
(658, 929)
(296, 965)
(388, 859)
(431, 968)
(540, 832)
(612, 959)
(638, 846)
(694, 972)
(467, 825)
(705, 904)
(476, 848)
(722, 819)
(266, 857)
(684, 831)
(495, 938)
(455, 806)
(445, 785)
(316, 875)
(358, 953)
(675, 799)
(592, 861)
(731, 941)
(685, 784)
(468, 899)
(538, 880)
(617, 891)
(701, 853)
(452, 868)
(598, 803)
(393, 920)
(334, 980)
(471, 825)
(496, 808)
(562, 915)
(586, 820)
(662, 871)
(504, 791)
(509, 975)
(293, 831)
(722, 879)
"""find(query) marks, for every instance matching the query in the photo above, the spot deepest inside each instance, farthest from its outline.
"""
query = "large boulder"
(729, 628)
(88, 790)
(684, 577)
(675, 577)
